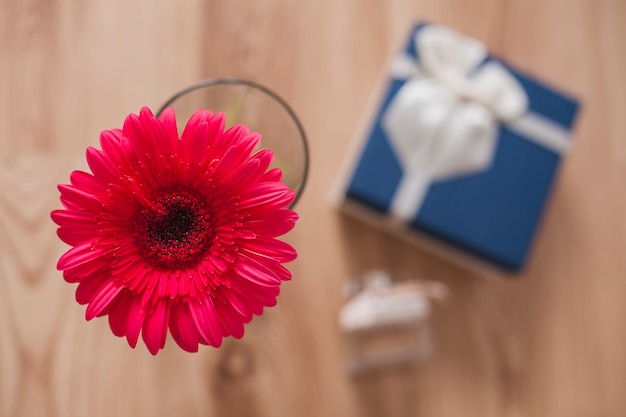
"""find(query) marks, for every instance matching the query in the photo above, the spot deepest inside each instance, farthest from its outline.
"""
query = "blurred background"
(549, 342)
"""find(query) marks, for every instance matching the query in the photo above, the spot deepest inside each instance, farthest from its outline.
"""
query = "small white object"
(381, 304)
(387, 323)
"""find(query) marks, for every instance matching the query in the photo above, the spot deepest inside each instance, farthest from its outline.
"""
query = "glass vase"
(262, 111)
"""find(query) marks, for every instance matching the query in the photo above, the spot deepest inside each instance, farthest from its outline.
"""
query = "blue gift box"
(517, 127)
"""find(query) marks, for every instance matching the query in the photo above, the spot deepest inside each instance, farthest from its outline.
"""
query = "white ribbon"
(443, 121)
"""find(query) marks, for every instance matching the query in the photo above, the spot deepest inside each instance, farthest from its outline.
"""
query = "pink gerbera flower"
(176, 233)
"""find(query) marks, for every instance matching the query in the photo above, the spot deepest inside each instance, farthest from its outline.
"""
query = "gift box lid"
(485, 196)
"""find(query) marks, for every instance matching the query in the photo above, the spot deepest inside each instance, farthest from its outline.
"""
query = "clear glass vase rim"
(239, 81)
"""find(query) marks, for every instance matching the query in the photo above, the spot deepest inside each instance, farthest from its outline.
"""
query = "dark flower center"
(175, 232)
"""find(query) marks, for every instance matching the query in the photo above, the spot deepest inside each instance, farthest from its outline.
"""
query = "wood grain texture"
(550, 343)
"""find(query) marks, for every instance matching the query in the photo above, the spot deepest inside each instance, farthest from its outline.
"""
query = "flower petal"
(76, 227)
(87, 288)
(230, 320)
(183, 328)
(113, 145)
(136, 128)
(136, 317)
(200, 133)
(255, 297)
(79, 255)
(266, 196)
(101, 166)
(273, 249)
(103, 297)
(118, 317)
(275, 224)
(237, 303)
(227, 163)
(273, 175)
(207, 322)
(72, 218)
(79, 199)
(244, 174)
(85, 181)
(256, 272)
(168, 118)
(231, 138)
(84, 271)
(155, 327)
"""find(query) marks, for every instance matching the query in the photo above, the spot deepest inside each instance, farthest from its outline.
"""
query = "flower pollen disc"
(175, 232)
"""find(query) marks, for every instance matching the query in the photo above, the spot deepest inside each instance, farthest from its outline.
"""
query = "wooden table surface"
(550, 343)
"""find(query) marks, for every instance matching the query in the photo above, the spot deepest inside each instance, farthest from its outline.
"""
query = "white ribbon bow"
(443, 121)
